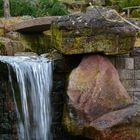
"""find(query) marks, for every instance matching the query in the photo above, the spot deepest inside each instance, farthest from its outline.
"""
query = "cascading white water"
(34, 78)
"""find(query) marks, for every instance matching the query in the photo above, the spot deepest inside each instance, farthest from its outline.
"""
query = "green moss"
(2, 32)
(68, 42)
(69, 124)
(38, 43)
(56, 37)
(2, 48)
(126, 43)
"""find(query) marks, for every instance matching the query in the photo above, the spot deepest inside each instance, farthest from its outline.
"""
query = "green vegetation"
(123, 3)
(54, 7)
(35, 7)
(135, 13)
(128, 3)
(1, 7)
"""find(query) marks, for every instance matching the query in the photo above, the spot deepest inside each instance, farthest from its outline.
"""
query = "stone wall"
(129, 71)
(7, 111)
(57, 100)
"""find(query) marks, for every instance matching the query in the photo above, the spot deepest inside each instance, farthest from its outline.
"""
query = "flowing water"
(34, 78)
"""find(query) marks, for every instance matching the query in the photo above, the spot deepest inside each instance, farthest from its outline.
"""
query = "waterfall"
(34, 78)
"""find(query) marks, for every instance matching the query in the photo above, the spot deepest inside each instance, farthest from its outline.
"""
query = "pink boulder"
(94, 89)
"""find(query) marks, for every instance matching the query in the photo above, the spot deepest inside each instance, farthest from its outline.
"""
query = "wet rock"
(95, 93)
(98, 30)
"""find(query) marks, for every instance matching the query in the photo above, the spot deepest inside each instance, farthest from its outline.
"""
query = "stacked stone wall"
(129, 71)
(7, 111)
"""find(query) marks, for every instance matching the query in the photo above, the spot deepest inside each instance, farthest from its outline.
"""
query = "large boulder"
(94, 90)
(98, 30)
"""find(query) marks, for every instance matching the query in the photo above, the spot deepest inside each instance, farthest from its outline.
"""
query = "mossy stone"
(90, 33)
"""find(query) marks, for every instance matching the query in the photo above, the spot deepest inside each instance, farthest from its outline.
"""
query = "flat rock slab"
(98, 30)
(34, 25)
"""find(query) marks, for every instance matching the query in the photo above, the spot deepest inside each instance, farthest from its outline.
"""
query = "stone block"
(135, 52)
(137, 74)
(129, 63)
(137, 97)
(137, 93)
(126, 74)
(136, 100)
(137, 63)
(120, 62)
(131, 93)
(124, 62)
(137, 85)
